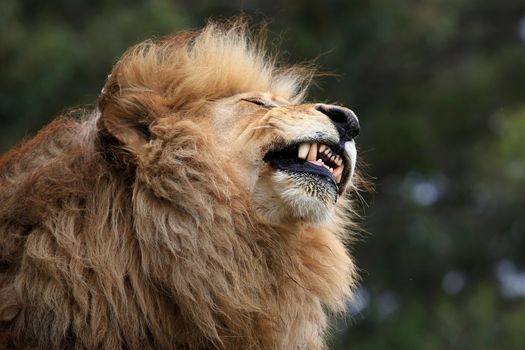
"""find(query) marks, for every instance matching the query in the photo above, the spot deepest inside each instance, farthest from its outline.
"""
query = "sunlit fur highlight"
(110, 242)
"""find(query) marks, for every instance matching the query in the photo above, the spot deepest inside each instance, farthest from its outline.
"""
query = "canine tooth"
(312, 154)
(303, 150)
(338, 171)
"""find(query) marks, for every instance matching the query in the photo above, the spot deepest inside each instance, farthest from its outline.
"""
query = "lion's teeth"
(304, 148)
(338, 172)
(322, 148)
(338, 178)
(312, 154)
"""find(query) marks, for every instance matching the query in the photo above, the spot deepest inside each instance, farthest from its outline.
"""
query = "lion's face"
(294, 160)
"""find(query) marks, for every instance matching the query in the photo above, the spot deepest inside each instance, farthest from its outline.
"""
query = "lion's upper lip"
(325, 159)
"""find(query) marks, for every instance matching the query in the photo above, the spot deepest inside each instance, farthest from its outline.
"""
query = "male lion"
(201, 205)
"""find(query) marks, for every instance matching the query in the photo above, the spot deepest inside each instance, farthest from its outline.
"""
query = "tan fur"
(147, 223)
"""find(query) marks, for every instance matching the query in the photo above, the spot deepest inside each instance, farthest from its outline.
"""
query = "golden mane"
(215, 62)
(104, 248)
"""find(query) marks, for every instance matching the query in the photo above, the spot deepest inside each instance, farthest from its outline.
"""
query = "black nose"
(344, 120)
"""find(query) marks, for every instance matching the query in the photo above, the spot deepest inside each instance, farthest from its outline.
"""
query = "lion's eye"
(261, 103)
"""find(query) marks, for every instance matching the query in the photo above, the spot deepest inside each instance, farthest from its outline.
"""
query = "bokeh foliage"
(439, 88)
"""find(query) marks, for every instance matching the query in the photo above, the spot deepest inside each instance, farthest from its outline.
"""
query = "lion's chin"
(298, 197)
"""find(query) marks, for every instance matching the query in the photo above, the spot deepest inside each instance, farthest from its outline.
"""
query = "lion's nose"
(344, 120)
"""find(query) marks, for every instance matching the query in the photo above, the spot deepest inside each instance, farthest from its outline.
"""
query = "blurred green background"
(439, 86)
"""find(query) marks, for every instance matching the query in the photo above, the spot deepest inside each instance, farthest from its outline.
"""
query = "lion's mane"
(103, 249)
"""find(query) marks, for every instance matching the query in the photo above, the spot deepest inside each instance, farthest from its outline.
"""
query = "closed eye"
(261, 103)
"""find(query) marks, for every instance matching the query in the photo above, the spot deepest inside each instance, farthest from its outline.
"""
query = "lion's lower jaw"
(283, 198)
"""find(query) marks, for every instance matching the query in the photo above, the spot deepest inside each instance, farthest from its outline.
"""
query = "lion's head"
(202, 204)
(294, 159)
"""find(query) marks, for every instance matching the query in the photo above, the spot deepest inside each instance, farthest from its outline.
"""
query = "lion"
(202, 204)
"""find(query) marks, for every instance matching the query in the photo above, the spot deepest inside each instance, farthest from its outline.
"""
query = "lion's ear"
(127, 113)
(127, 127)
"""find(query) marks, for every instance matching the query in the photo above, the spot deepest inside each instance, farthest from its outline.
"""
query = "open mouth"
(326, 161)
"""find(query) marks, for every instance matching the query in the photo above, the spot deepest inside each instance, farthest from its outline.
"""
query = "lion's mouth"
(327, 162)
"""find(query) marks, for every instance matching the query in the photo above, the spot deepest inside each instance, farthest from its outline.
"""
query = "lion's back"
(44, 190)
(29, 175)
(48, 145)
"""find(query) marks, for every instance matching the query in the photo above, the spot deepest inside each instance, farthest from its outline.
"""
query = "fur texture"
(153, 223)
